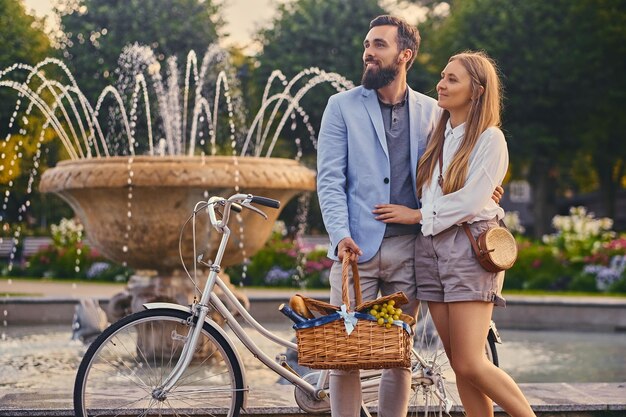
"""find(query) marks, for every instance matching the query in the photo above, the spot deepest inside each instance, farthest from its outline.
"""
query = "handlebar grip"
(267, 202)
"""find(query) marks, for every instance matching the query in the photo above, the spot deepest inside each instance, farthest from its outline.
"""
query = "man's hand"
(395, 213)
(497, 194)
(348, 244)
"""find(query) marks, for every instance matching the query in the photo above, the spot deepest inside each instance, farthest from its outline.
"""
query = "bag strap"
(477, 250)
(349, 260)
(440, 178)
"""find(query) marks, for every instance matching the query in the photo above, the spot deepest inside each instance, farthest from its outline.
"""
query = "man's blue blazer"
(353, 163)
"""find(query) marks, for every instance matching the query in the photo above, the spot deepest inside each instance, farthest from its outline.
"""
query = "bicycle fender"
(493, 330)
(218, 328)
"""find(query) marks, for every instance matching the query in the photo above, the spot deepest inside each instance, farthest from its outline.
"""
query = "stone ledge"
(522, 312)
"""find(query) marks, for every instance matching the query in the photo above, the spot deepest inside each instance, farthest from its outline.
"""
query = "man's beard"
(375, 79)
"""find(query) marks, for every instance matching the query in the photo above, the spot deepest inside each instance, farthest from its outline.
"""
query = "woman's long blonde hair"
(484, 112)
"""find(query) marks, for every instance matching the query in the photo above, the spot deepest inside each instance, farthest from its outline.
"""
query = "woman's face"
(454, 88)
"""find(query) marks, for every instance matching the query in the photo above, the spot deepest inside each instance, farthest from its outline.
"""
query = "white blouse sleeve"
(487, 169)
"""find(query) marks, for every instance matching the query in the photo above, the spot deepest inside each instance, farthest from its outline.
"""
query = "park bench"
(6, 247)
(33, 244)
(29, 246)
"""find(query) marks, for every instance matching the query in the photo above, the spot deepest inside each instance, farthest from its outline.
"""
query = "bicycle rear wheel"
(133, 356)
(433, 389)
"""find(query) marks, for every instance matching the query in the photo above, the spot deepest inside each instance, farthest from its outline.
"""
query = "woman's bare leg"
(474, 401)
(468, 325)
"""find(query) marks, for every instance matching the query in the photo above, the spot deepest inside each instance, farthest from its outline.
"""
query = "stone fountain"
(164, 192)
(133, 205)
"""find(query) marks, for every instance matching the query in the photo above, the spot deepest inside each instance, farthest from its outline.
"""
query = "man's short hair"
(408, 36)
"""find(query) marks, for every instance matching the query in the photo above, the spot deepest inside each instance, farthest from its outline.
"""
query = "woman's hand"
(395, 213)
(497, 195)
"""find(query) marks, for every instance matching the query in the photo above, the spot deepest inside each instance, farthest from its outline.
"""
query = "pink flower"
(536, 263)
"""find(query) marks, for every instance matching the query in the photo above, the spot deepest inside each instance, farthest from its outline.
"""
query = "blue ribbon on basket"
(349, 319)
(320, 321)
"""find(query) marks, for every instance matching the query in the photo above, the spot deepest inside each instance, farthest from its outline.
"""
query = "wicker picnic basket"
(323, 342)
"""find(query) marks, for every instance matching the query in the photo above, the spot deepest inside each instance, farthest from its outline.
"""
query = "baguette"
(298, 305)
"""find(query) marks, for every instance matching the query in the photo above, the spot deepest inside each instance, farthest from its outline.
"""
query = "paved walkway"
(548, 400)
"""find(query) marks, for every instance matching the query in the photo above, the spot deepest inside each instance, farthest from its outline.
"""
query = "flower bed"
(583, 254)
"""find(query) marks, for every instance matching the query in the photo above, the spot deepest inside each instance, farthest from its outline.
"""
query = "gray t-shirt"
(396, 121)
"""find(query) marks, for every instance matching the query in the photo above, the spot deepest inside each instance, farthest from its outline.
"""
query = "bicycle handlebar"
(265, 201)
(237, 202)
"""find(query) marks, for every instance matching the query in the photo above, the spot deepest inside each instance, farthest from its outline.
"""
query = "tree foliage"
(328, 35)
(96, 31)
(309, 33)
(23, 41)
(553, 57)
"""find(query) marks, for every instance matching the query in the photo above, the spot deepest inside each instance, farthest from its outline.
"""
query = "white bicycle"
(175, 360)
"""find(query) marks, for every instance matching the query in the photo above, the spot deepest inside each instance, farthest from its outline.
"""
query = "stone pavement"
(548, 399)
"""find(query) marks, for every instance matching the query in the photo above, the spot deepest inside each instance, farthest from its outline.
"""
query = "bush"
(537, 268)
(582, 255)
(284, 262)
(68, 257)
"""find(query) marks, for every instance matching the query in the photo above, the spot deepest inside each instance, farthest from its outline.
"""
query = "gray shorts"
(446, 268)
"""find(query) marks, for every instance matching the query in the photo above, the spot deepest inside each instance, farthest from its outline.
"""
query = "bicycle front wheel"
(128, 361)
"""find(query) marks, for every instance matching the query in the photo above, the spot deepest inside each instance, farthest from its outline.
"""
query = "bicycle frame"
(200, 315)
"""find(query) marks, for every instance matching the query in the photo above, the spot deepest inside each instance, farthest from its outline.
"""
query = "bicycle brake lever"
(208, 263)
(256, 210)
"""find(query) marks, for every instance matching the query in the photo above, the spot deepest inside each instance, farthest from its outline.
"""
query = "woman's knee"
(468, 368)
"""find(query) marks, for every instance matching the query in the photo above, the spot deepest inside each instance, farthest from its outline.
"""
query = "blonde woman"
(459, 292)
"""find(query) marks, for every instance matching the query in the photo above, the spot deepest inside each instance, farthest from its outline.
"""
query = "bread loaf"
(298, 305)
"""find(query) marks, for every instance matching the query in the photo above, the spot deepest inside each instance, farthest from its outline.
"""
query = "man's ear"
(406, 55)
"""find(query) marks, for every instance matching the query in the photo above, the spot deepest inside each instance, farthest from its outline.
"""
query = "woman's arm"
(396, 213)
(487, 170)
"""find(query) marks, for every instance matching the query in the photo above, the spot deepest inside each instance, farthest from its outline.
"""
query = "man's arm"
(332, 168)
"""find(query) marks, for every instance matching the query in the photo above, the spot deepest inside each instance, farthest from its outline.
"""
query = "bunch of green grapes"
(386, 313)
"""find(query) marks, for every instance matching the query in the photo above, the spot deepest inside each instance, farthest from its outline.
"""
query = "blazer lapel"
(373, 109)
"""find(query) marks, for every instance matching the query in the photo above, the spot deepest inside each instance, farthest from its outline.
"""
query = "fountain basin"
(132, 208)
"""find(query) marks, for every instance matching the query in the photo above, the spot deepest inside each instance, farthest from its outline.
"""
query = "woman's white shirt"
(488, 164)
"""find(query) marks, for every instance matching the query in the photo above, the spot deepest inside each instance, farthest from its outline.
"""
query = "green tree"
(96, 31)
(600, 99)
(309, 33)
(24, 41)
(552, 56)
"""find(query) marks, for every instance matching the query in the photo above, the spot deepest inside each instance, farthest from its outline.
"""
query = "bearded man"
(370, 140)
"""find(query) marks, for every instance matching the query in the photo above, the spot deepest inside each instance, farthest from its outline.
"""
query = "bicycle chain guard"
(309, 403)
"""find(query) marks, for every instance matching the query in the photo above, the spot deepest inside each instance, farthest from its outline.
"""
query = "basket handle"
(349, 260)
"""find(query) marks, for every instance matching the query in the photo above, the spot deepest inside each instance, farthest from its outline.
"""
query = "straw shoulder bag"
(326, 343)
(495, 248)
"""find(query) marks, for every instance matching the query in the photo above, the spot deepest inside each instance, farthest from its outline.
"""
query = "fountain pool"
(43, 357)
